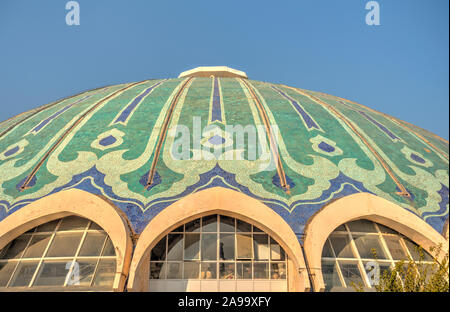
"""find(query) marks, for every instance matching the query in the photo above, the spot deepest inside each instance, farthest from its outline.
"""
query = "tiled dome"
(118, 142)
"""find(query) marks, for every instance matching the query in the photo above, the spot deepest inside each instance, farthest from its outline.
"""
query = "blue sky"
(400, 67)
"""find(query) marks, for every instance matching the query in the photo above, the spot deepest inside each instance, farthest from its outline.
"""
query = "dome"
(144, 146)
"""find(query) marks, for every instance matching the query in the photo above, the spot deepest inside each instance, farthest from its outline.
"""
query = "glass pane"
(24, 273)
(351, 274)
(341, 246)
(385, 229)
(174, 270)
(48, 227)
(109, 249)
(105, 273)
(417, 253)
(15, 249)
(261, 270)
(244, 270)
(244, 246)
(384, 267)
(93, 244)
(209, 270)
(341, 228)
(226, 270)
(261, 246)
(242, 226)
(327, 252)
(396, 249)
(95, 226)
(37, 246)
(193, 226)
(209, 224)
(73, 223)
(330, 275)
(191, 270)
(64, 245)
(178, 229)
(255, 229)
(361, 226)
(428, 270)
(379, 267)
(368, 245)
(52, 274)
(278, 270)
(175, 247)
(86, 270)
(276, 252)
(6, 269)
(209, 246)
(159, 251)
(226, 247)
(226, 224)
(157, 270)
(192, 247)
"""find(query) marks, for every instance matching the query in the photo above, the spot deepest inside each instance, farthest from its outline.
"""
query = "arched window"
(348, 254)
(218, 248)
(68, 253)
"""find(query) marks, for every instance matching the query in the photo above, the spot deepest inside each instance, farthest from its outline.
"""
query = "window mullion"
(385, 246)
(200, 246)
(20, 258)
(76, 253)
(218, 251)
(184, 246)
(45, 253)
(341, 276)
(403, 244)
(98, 261)
(358, 256)
(388, 252)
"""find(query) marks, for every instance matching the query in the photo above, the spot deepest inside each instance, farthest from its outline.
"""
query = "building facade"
(214, 182)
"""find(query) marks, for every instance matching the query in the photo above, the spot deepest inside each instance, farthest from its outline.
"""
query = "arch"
(80, 203)
(222, 201)
(445, 230)
(363, 206)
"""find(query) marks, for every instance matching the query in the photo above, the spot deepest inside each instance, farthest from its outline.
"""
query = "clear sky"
(400, 67)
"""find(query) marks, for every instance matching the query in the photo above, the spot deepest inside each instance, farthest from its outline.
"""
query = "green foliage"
(416, 276)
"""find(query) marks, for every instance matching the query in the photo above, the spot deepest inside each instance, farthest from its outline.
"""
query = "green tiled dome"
(119, 142)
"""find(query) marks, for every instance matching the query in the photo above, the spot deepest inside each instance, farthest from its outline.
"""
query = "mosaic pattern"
(111, 142)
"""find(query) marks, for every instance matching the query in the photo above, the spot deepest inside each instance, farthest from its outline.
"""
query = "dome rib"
(269, 133)
(403, 191)
(163, 132)
(29, 178)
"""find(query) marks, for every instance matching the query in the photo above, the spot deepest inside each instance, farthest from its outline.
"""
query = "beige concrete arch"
(80, 203)
(363, 206)
(222, 201)
(445, 230)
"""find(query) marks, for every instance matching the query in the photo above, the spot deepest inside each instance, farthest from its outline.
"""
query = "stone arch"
(445, 230)
(80, 203)
(222, 201)
(363, 206)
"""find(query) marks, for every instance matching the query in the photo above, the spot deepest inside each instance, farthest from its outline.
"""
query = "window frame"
(235, 261)
(360, 261)
(68, 259)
